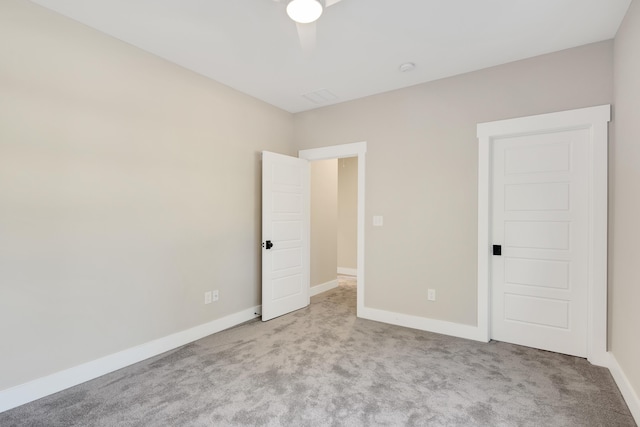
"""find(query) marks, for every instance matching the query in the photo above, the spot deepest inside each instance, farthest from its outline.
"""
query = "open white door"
(285, 234)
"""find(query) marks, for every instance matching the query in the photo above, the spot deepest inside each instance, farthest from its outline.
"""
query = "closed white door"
(539, 288)
(285, 234)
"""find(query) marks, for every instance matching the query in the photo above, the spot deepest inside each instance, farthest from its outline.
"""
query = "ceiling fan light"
(304, 11)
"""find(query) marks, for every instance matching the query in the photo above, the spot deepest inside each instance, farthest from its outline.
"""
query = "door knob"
(497, 250)
(267, 244)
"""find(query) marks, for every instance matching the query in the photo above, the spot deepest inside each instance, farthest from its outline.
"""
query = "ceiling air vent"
(321, 96)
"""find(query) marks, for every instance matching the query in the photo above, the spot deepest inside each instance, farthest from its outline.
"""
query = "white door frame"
(356, 149)
(595, 119)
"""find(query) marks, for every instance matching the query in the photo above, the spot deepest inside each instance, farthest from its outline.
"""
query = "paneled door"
(285, 234)
(539, 290)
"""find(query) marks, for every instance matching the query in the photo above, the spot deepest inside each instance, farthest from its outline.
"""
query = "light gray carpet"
(322, 366)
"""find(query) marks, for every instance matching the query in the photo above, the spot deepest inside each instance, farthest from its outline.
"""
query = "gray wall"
(624, 201)
(128, 187)
(348, 213)
(324, 221)
(421, 169)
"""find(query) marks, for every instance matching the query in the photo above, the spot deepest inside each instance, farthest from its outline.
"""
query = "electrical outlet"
(216, 296)
(207, 297)
(431, 294)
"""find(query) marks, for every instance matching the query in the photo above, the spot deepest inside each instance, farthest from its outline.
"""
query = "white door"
(285, 234)
(539, 294)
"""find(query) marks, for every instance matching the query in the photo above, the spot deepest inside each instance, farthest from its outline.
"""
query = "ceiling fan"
(305, 13)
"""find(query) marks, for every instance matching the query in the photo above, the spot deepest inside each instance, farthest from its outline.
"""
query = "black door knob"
(497, 250)
(268, 244)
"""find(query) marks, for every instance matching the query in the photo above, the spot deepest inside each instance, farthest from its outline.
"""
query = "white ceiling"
(252, 46)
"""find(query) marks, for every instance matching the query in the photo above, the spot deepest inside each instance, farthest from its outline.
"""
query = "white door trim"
(356, 149)
(595, 119)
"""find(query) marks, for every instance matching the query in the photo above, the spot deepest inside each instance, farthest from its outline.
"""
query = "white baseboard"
(473, 333)
(318, 289)
(628, 393)
(348, 271)
(41, 387)
(422, 323)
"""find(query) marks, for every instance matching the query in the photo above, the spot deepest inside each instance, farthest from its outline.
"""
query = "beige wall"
(334, 191)
(348, 213)
(422, 169)
(624, 201)
(128, 187)
(324, 221)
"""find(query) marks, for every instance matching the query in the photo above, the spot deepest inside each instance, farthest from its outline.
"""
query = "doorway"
(333, 229)
(358, 151)
(552, 196)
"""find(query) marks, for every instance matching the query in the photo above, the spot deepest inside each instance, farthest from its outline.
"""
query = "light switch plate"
(378, 221)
